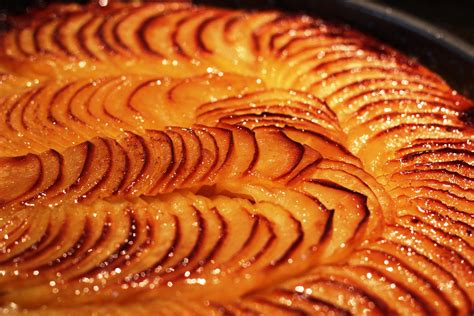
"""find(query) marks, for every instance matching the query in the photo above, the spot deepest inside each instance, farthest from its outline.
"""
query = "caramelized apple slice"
(270, 163)
(243, 152)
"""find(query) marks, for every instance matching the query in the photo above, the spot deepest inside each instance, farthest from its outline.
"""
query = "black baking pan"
(435, 48)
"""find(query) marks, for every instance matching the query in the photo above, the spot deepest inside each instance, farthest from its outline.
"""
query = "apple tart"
(173, 159)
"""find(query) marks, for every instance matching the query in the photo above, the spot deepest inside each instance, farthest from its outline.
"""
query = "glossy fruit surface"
(168, 158)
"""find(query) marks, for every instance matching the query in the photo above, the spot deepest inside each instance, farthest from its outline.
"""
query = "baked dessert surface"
(168, 158)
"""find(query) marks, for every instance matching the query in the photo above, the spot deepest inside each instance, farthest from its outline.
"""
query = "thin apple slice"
(97, 165)
(114, 118)
(209, 157)
(186, 34)
(20, 239)
(444, 196)
(40, 118)
(212, 39)
(73, 163)
(65, 33)
(437, 178)
(240, 33)
(367, 130)
(439, 216)
(271, 163)
(107, 37)
(15, 122)
(27, 170)
(295, 99)
(161, 44)
(192, 153)
(328, 148)
(50, 162)
(224, 141)
(359, 180)
(350, 84)
(152, 158)
(243, 153)
(351, 215)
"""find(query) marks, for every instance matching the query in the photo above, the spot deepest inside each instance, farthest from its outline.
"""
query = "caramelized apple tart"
(174, 159)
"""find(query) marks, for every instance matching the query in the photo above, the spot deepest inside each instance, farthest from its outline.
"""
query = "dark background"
(454, 16)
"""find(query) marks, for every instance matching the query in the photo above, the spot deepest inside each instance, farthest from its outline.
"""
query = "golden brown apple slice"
(174, 102)
(239, 32)
(270, 163)
(243, 153)
(296, 51)
(254, 121)
(341, 289)
(40, 119)
(154, 160)
(64, 40)
(213, 45)
(14, 126)
(327, 147)
(75, 169)
(449, 154)
(437, 214)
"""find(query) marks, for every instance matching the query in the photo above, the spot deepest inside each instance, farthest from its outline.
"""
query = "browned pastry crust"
(167, 158)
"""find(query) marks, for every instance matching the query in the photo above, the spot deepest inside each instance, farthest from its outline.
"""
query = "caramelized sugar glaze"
(167, 158)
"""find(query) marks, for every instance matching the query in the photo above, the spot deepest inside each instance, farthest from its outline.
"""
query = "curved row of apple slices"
(395, 273)
(183, 245)
(132, 38)
(432, 182)
(151, 163)
(58, 115)
(374, 115)
(383, 100)
(408, 271)
(178, 39)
